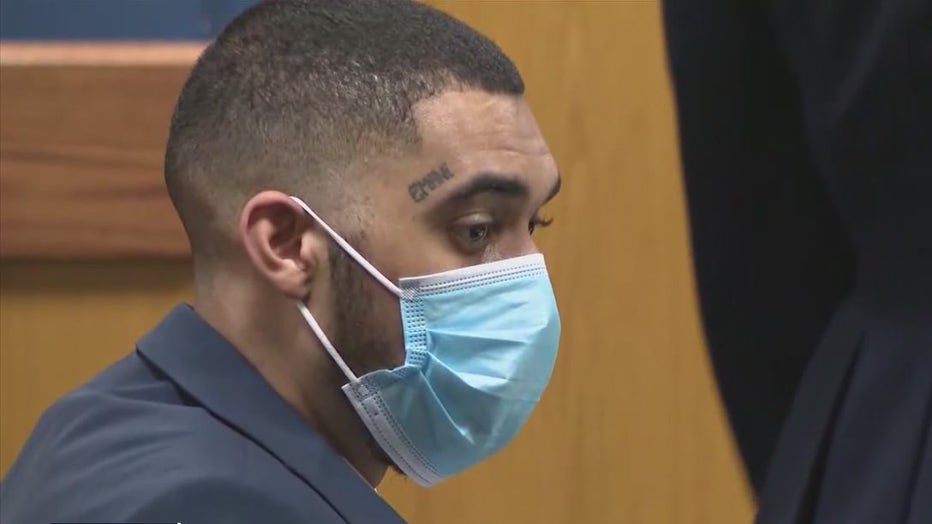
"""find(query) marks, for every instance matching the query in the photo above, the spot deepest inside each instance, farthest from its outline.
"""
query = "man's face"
(471, 194)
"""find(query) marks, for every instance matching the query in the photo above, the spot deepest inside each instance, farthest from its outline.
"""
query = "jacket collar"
(208, 368)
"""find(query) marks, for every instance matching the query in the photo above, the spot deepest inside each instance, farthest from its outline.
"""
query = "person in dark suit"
(359, 182)
(806, 141)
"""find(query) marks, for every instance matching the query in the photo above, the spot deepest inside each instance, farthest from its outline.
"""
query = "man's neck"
(330, 413)
(301, 373)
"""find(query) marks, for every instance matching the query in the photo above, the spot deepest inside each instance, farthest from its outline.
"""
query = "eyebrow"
(489, 182)
(500, 183)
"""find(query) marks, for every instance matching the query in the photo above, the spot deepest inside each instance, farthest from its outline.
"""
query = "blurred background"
(631, 429)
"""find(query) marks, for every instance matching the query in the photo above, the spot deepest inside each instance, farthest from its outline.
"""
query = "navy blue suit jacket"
(182, 430)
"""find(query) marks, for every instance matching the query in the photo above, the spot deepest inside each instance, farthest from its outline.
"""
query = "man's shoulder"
(126, 412)
(128, 419)
(223, 498)
(128, 446)
(185, 494)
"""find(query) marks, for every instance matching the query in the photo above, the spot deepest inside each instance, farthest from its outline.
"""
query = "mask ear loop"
(315, 327)
(350, 250)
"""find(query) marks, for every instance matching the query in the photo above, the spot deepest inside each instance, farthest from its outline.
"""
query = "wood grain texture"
(81, 150)
(631, 429)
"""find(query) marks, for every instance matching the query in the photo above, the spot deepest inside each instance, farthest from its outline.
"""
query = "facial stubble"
(359, 337)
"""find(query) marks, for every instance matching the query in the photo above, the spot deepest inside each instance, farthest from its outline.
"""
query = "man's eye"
(472, 234)
(477, 233)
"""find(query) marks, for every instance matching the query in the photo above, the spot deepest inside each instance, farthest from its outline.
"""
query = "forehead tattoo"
(419, 189)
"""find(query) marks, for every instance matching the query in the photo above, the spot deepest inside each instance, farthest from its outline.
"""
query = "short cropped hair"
(294, 91)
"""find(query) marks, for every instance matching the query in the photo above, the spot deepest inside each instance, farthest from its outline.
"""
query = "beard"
(358, 336)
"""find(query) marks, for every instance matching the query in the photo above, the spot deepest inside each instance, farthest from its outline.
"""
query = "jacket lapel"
(792, 480)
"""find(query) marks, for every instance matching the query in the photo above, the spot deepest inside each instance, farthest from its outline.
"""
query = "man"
(322, 156)
(805, 131)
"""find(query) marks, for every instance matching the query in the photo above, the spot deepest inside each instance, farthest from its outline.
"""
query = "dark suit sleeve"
(770, 257)
(228, 501)
(863, 69)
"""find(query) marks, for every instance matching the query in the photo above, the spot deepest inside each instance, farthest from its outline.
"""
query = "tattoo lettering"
(423, 187)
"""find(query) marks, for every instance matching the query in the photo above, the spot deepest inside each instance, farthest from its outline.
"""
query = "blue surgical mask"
(480, 346)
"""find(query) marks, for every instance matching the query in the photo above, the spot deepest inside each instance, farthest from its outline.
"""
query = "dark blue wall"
(116, 19)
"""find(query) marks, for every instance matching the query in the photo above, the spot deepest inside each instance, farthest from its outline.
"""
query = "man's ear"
(284, 245)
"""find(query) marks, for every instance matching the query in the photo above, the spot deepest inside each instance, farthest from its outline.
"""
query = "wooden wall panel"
(82, 146)
(631, 429)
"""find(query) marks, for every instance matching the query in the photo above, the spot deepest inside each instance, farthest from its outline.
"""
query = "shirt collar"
(208, 368)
